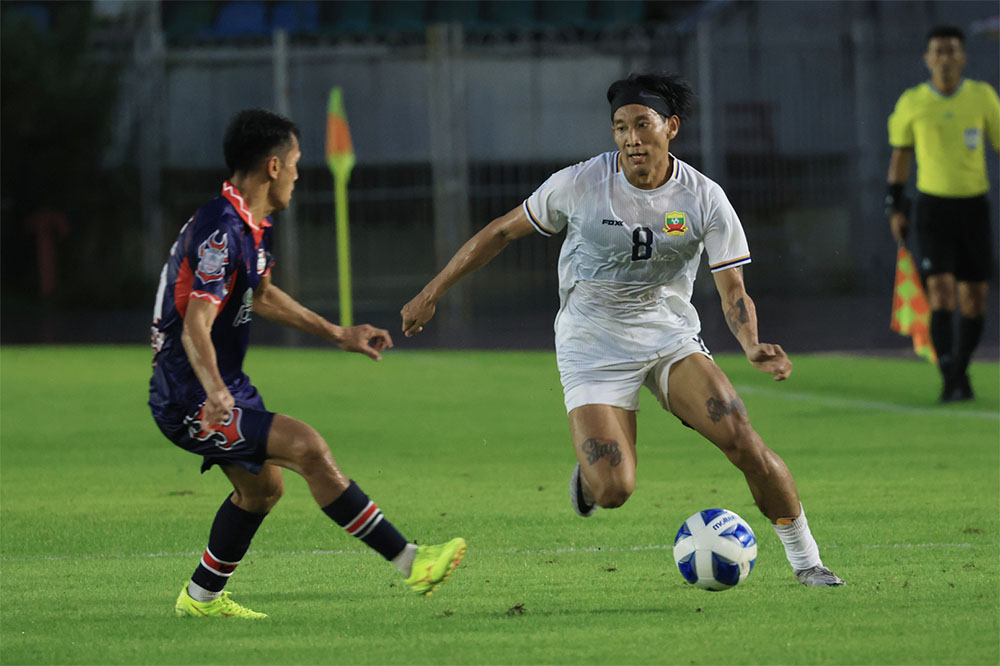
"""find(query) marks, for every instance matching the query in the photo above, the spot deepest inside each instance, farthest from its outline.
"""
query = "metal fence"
(454, 127)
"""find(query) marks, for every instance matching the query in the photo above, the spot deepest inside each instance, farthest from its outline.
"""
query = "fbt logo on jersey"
(675, 223)
(244, 314)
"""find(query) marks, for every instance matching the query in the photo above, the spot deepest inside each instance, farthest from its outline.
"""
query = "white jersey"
(628, 264)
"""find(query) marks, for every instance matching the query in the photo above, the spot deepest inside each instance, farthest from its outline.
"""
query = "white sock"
(198, 593)
(800, 546)
(404, 561)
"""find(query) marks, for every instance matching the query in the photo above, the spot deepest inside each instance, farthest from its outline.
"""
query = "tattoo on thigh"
(737, 315)
(602, 448)
(717, 408)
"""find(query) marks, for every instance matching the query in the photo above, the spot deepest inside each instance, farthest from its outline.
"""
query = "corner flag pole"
(340, 159)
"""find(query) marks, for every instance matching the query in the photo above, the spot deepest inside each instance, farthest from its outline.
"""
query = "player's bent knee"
(313, 452)
(259, 500)
(308, 446)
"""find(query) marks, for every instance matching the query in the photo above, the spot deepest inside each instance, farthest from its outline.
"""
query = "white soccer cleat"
(818, 576)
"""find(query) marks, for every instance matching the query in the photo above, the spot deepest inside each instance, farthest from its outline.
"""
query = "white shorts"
(618, 385)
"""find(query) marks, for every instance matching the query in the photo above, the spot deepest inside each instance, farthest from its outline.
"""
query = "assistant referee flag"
(910, 314)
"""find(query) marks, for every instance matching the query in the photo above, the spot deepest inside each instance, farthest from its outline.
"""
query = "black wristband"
(895, 200)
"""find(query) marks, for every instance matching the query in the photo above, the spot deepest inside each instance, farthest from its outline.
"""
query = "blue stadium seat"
(35, 13)
(296, 16)
(242, 18)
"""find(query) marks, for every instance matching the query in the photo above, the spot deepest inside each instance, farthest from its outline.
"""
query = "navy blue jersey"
(220, 256)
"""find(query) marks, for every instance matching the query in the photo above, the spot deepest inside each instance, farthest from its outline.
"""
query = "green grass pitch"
(103, 520)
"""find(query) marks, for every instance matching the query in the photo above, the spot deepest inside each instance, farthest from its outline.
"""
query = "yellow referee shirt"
(946, 133)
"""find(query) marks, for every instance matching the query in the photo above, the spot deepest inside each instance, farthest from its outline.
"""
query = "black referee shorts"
(953, 236)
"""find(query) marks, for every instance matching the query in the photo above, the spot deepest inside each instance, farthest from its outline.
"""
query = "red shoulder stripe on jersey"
(182, 286)
(234, 197)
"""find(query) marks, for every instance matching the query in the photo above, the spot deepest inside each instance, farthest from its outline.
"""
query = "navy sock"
(941, 336)
(970, 330)
(232, 531)
(361, 518)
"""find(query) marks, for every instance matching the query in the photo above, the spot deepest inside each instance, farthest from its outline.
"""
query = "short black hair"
(946, 32)
(671, 87)
(252, 136)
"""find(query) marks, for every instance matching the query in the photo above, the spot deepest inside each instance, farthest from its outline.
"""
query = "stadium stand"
(511, 13)
(242, 18)
(296, 16)
(188, 20)
(35, 13)
(465, 12)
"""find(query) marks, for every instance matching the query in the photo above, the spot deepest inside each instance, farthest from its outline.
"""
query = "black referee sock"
(942, 338)
(232, 531)
(361, 518)
(970, 331)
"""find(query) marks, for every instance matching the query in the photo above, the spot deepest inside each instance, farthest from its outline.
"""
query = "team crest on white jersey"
(213, 256)
(675, 223)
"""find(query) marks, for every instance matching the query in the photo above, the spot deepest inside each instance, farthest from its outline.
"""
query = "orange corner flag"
(339, 149)
(910, 314)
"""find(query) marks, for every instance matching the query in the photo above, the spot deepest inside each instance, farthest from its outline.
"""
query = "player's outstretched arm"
(275, 305)
(741, 315)
(476, 253)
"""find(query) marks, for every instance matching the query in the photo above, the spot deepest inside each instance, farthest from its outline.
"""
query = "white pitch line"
(829, 401)
(922, 545)
(501, 551)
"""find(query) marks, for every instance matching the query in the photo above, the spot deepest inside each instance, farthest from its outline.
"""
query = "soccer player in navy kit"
(218, 275)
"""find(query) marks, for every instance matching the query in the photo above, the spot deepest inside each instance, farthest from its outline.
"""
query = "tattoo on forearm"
(717, 408)
(602, 448)
(737, 315)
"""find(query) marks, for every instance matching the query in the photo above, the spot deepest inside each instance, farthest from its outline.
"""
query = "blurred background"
(113, 114)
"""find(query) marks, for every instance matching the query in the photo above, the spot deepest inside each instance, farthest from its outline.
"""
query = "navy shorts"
(242, 440)
(953, 236)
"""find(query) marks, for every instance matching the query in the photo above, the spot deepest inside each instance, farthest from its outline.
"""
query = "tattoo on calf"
(737, 315)
(602, 448)
(717, 408)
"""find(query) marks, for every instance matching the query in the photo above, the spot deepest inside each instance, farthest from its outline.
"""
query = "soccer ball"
(715, 549)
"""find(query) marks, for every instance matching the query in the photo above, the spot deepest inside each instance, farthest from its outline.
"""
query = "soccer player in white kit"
(636, 221)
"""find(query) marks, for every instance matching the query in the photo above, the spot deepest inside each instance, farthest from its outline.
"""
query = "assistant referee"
(945, 122)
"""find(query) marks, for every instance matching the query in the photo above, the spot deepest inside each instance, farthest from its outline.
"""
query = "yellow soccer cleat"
(433, 565)
(221, 607)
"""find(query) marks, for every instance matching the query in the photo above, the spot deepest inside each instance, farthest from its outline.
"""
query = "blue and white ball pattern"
(715, 549)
